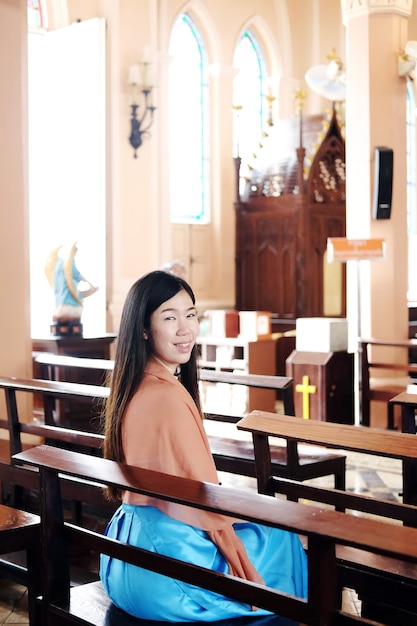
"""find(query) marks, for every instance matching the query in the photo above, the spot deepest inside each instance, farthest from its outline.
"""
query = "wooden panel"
(281, 239)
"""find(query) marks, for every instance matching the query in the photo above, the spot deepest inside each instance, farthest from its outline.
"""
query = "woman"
(153, 419)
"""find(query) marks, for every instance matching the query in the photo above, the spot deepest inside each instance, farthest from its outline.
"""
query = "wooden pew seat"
(91, 604)
(310, 462)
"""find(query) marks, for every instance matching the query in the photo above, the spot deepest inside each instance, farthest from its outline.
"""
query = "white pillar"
(376, 116)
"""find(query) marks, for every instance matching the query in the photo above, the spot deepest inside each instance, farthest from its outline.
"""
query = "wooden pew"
(20, 531)
(382, 390)
(72, 412)
(407, 401)
(324, 531)
(23, 477)
(367, 440)
(370, 576)
(232, 455)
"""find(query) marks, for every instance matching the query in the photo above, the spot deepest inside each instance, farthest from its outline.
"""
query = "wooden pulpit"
(323, 385)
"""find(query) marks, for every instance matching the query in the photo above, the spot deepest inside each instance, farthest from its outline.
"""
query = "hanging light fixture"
(141, 83)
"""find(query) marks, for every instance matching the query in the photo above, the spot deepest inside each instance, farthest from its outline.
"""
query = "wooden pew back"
(367, 440)
(230, 456)
(380, 390)
(21, 477)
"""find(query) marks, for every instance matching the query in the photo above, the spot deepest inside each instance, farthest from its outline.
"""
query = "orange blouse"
(163, 431)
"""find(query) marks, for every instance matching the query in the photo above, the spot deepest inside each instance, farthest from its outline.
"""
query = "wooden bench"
(79, 412)
(230, 454)
(407, 401)
(324, 530)
(382, 389)
(375, 579)
(22, 477)
(20, 531)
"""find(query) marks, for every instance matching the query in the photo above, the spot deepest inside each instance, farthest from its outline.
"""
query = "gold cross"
(306, 389)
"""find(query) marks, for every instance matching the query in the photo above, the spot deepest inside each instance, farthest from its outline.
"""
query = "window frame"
(203, 215)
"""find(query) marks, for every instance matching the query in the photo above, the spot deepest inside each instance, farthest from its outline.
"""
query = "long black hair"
(133, 352)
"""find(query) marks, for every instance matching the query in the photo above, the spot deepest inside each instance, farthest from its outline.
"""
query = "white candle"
(146, 54)
(134, 77)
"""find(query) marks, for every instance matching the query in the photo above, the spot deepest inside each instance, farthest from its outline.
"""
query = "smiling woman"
(173, 331)
(153, 420)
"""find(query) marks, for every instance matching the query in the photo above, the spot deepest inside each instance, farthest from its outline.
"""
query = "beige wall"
(376, 116)
(15, 345)
(14, 243)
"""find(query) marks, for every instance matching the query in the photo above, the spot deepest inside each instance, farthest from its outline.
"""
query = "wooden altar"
(283, 220)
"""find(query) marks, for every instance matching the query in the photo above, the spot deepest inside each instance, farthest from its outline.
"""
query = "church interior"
(303, 261)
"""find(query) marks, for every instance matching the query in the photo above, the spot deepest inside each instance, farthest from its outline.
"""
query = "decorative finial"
(237, 109)
(299, 96)
(270, 98)
(333, 56)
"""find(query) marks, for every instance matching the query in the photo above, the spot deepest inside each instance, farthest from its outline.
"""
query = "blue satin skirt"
(277, 555)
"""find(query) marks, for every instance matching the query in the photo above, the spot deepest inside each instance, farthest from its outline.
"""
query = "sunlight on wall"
(189, 138)
(67, 163)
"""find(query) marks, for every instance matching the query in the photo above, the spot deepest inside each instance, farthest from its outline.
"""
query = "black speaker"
(383, 170)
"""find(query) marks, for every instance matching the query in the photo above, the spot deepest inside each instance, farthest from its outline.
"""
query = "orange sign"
(341, 249)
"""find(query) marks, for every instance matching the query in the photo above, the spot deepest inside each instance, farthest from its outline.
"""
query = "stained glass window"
(411, 192)
(188, 125)
(37, 15)
(249, 91)
(411, 158)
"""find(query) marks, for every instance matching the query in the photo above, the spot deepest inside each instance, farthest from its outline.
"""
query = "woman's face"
(173, 330)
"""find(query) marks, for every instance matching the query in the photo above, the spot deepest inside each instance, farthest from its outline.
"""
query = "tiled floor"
(365, 474)
(13, 603)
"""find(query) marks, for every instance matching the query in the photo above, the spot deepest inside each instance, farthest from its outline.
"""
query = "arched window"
(411, 159)
(188, 125)
(37, 15)
(249, 91)
(411, 192)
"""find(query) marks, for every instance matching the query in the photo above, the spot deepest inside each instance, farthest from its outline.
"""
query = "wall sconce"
(141, 81)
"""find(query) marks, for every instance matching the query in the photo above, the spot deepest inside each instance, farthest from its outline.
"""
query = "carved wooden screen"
(281, 239)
